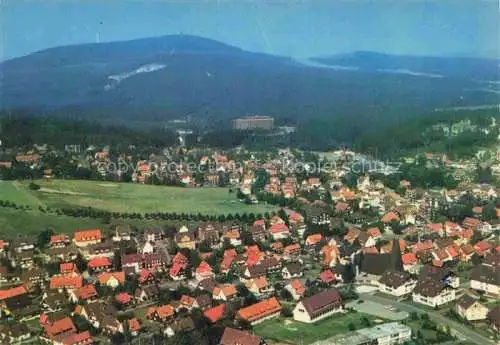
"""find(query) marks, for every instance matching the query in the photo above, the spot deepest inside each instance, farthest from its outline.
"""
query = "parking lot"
(376, 309)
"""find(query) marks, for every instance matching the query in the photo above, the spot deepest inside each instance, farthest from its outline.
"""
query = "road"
(459, 330)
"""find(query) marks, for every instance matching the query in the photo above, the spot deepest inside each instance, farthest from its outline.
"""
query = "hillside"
(171, 76)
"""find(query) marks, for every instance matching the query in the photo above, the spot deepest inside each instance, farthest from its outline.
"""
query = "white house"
(471, 309)
(433, 293)
(396, 283)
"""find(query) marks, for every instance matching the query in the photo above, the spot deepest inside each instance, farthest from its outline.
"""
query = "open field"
(292, 332)
(127, 197)
(15, 223)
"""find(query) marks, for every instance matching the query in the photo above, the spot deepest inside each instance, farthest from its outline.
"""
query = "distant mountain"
(433, 67)
(171, 76)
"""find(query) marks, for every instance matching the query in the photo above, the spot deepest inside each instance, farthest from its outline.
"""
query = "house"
(208, 234)
(101, 316)
(292, 250)
(317, 215)
(67, 268)
(279, 231)
(187, 302)
(313, 240)
(111, 279)
(493, 319)
(123, 298)
(53, 301)
(258, 233)
(318, 306)
(292, 270)
(296, 289)
(396, 283)
(59, 329)
(134, 327)
(231, 336)
(204, 301)
(99, 264)
(153, 235)
(66, 281)
(297, 223)
(59, 241)
(146, 293)
(224, 292)
(259, 286)
(433, 292)
(486, 278)
(86, 293)
(260, 311)
(203, 271)
(183, 324)
(374, 233)
(471, 309)
(84, 238)
(410, 262)
(216, 313)
(327, 277)
(185, 238)
(161, 313)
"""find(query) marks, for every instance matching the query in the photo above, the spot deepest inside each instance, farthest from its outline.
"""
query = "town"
(318, 249)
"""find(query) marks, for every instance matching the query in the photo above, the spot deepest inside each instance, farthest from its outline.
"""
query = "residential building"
(318, 306)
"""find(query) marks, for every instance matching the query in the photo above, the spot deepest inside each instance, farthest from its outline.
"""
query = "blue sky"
(298, 28)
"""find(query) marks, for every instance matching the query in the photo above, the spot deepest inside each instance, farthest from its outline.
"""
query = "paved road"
(458, 329)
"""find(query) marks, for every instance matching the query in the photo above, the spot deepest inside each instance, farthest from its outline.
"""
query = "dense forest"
(386, 137)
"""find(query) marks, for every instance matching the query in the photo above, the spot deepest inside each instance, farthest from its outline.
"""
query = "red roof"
(123, 298)
(145, 275)
(134, 325)
(203, 268)
(99, 262)
(279, 228)
(327, 276)
(409, 259)
(62, 326)
(67, 267)
(70, 281)
(88, 235)
(104, 277)
(216, 313)
(483, 246)
(58, 238)
(179, 258)
(12, 292)
(422, 246)
(86, 292)
(298, 287)
(260, 310)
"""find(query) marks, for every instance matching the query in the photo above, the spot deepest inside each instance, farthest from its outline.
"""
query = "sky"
(296, 28)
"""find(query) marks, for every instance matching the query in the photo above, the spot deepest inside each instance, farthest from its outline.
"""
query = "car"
(388, 307)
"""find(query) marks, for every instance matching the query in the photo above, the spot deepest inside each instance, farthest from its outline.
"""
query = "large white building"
(396, 283)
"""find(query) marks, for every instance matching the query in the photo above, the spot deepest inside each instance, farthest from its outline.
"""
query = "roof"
(134, 325)
(204, 267)
(389, 217)
(327, 276)
(260, 310)
(486, 274)
(123, 298)
(233, 336)
(72, 280)
(394, 279)
(409, 258)
(99, 261)
(466, 301)
(85, 235)
(298, 287)
(227, 289)
(58, 238)
(313, 239)
(216, 313)
(86, 292)
(66, 267)
(276, 228)
(164, 311)
(106, 276)
(64, 325)
(322, 301)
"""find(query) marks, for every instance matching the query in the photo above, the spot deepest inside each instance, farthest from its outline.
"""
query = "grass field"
(292, 332)
(127, 197)
(15, 223)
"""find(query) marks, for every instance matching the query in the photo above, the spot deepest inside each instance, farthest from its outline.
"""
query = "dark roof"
(257, 271)
(322, 301)
(233, 336)
(204, 300)
(429, 287)
(494, 316)
(207, 284)
(466, 301)
(486, 274)
(14, 330)
(294, 267)
(394, 279)
(375, 264)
